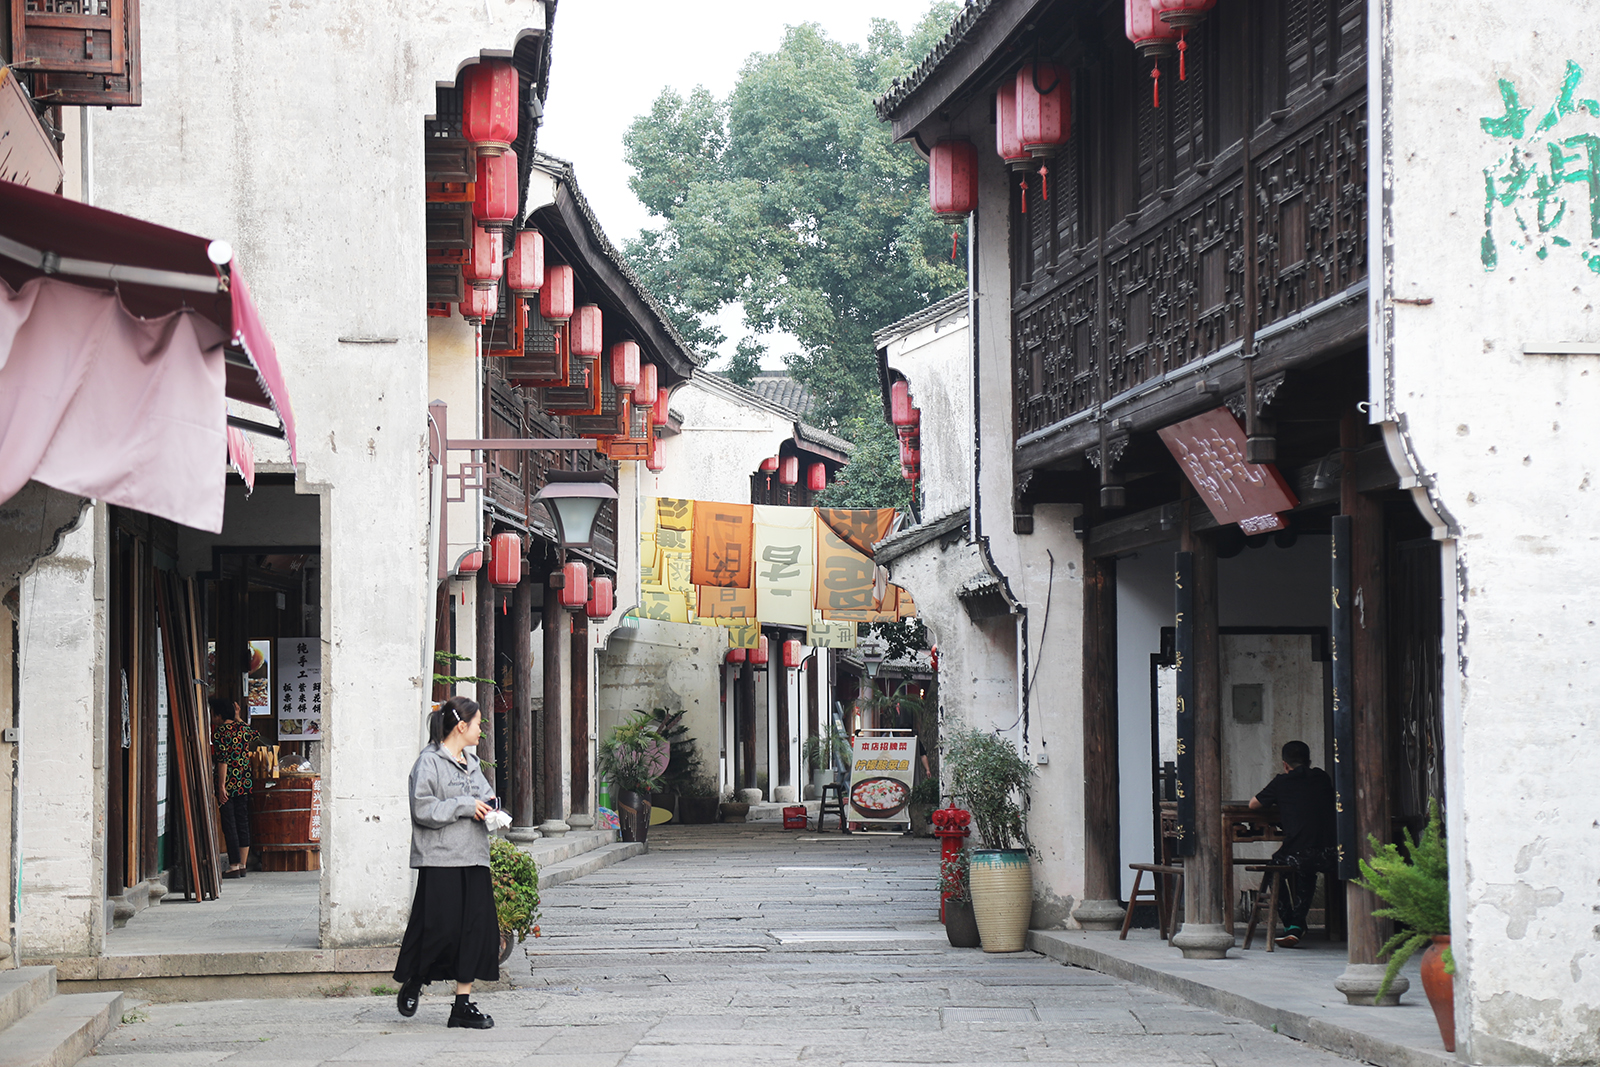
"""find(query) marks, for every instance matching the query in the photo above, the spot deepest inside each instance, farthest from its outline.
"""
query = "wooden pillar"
(744, 710)
(483, 665)
(1102, 828)
(1205, 934)
(580, 713)
(521, 741)
(550, 764)
(1369, 685)
(781, 712)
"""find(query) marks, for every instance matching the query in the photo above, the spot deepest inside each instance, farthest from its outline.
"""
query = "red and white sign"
(1210, 449)
(881, 778)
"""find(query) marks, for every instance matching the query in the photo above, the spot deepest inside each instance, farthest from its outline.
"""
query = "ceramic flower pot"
(1001, 880)
(960, 924)
(1441, 989)
(634, 810)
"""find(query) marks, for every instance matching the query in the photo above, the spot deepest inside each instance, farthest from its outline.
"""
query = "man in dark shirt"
(1304, 797)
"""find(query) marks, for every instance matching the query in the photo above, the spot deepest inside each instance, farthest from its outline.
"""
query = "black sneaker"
(469, 1016)
(405, 1002)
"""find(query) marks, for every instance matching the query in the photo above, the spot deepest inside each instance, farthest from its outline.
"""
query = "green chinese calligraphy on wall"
(1536, 196)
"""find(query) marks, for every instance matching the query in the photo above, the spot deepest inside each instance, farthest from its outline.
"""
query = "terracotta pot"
(960, 924)
(1001, 880)
(734, 810)
(508, 941)
(1441, 989)
(633, 810)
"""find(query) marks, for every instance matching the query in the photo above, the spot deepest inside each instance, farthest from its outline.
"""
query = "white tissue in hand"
(497, 821)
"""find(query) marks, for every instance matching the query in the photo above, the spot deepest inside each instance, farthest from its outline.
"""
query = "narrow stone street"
(729, 945)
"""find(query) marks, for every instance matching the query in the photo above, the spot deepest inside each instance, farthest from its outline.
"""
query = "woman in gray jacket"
(453, 934)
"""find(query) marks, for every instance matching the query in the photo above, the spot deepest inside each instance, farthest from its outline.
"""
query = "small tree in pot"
(632, 759)
(990, 778)
(516, 893)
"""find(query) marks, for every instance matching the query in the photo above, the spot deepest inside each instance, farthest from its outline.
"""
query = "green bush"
(990, 777)
(1416, 890)
(516, 887)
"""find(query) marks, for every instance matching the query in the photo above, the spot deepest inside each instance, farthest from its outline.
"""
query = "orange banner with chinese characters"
(725, 602)
(860, 528)
(723, 544)
(844, 575)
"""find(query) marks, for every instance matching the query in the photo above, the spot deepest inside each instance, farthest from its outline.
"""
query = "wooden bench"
(1166, 883)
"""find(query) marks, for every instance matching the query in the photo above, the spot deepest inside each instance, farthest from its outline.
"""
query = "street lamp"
(573, 499)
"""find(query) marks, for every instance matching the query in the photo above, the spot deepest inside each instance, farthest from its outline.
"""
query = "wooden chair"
(1166, 883)
(832, 804)
(1267, 902)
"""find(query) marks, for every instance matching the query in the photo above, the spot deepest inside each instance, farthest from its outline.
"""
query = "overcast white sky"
(611, 58)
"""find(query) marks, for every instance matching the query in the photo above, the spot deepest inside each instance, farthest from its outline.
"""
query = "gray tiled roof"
(776, 387)
(902, 88)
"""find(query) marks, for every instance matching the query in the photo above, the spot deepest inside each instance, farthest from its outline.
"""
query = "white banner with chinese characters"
(299, 689)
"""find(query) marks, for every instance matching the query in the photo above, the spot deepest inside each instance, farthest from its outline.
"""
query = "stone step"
(588, 863)
(61, 1031)
(24, 989)
(551, 850)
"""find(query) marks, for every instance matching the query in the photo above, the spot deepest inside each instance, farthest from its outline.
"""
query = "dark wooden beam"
(550, 754)
(580, 712)
(966, 67)
(1102, 856)
(483, 667)
(520, 746)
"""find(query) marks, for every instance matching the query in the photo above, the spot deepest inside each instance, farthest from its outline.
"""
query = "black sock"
(461, 999)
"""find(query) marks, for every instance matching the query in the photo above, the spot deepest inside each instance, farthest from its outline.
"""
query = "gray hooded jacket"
(444, 796)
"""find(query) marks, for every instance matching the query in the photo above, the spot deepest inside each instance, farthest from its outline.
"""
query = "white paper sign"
(299, 692)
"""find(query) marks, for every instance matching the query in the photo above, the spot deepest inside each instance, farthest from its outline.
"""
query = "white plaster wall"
(1144, 605)
(455, 375)
(722, 443)
(8, 770)
(937, 362)
(295, 132)
(61, 760)
(667, 665)
(1509, 440)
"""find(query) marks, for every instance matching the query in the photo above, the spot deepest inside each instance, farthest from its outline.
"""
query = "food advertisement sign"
(300, 688)
(258, 677)
(881, 777)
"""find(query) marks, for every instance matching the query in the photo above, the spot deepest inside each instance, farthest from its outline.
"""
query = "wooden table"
(1243, 826)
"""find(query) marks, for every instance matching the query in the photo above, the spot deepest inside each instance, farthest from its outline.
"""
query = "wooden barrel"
(286, 816)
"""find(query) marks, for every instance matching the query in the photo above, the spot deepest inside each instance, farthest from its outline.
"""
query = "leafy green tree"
(746, 361)
(872, 477)
(789, 198)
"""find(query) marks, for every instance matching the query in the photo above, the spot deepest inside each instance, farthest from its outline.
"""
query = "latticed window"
(79, 51)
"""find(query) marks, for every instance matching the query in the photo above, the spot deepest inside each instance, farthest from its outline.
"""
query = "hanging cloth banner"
(860, 528)
(824, 634)
(675, 572)
(663, 606)
(724, 544)
(905, 608)
(673, 513)
(844, 577)
(784, 546)
(719, 605)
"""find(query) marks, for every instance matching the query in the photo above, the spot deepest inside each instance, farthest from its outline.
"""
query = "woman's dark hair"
(446, 717)
(221, 707)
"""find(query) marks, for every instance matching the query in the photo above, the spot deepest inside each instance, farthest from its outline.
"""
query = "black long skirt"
(453, 935)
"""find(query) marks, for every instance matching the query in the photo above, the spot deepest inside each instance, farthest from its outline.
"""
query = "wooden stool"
(1162, 894)
(1273, 879)
(833, 806)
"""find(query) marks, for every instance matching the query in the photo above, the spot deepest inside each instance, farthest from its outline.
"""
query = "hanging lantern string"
(1183, 47)
(955, 242)
(1023, 184)
(1044, 182)
(1155, 82)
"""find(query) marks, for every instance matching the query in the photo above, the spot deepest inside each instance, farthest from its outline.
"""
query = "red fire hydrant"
(951, 827)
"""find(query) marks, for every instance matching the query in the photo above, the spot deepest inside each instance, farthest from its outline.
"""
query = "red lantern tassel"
(505, 606)
(1155, 83)
(955, 242)
(1024, 186)
(1183, 47)
(1044, 181)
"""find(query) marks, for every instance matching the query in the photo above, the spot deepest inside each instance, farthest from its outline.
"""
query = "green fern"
(1416, 890)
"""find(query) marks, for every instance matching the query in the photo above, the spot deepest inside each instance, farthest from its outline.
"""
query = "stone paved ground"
(733, 946)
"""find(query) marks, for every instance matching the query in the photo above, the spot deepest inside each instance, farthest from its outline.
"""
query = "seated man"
(1304, 797)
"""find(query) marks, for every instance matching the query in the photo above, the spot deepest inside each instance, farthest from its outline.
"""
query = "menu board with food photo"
(299, 688)
(881, 776)
(258, 677)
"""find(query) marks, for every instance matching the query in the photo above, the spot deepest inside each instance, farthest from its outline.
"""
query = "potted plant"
(632, 758)
(683, 759)
(1415, 886)
(991, 778)
(697, 800)
(960, 923)
(732, 808)
(516, 893)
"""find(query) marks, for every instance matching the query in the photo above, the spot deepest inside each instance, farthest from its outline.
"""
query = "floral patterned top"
(232, 744)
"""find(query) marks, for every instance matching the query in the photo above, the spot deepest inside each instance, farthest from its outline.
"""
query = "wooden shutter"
(79, 51)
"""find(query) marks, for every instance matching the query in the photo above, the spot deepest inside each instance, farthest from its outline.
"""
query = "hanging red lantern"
(900, 403)
(789, 470)
(602, 601)
(658, 457)
(915, 425)
(817, 477)
(1182, 14)
(555, 296)
(470, 563)
(525, 268)
(505, 560)
(758, 655)
(791, 653)
(489, 106)
(1044, 108)
(769, 465)
(736, 655)
(574, 585)
(1005, 127)
(953, 179)
(494, 202)
(662, 412)
(644, 394)
(484, 267)
(1153, 38)
(907, 449)
(625, 365)
(479, 305)
(584, 338)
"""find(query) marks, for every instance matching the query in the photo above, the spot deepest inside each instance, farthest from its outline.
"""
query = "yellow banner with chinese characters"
(674, 514)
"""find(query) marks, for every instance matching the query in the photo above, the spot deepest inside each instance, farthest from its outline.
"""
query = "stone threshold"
(1289, 992)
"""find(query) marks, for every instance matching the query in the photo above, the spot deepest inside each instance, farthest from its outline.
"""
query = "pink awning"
(121, 338)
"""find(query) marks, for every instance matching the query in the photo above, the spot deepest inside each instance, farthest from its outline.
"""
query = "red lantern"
(525, 269)
(555, 297)
(661, 412)
(584, 339)
(953, 179)
(906, 449)
(1182, 14)
(1152, 37)
(1044, 108)
(574, 585)
(769, 465)
(758, 655)
(494, 202)
(736, 655)
(1005, 127)
(489, 106)
(625, 365)
(602, 602)
(487, 263)
(471, 563)
(791, 653)
(900, 403)
(478, 305)
(505, 560)
(658, 457)
(789, 470)
(644, 394)
(915, 424)
(817, 477)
